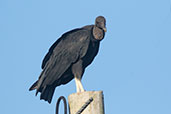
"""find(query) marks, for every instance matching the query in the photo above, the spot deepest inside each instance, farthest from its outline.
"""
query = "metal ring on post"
(65, 104)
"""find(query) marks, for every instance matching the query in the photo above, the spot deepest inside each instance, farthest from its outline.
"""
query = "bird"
(68, 58)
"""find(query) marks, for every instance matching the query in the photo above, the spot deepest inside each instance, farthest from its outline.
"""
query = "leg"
(78, 71)
(77, 87)
(80, 86)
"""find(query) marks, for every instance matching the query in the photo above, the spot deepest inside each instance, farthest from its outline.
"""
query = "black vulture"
(68, 57)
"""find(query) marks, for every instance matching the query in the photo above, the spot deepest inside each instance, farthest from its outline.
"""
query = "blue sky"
(133, 66)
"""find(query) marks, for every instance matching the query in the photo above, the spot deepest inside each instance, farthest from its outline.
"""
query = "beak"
(105, 29)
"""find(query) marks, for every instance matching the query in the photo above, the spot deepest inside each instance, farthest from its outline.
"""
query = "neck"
(98, 33)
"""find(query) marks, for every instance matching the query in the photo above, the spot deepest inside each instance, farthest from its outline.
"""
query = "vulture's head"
(101, 23)
(99, 28)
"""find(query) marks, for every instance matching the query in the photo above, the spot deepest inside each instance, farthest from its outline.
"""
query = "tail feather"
(46, 90)
(47, 93)
(34, 86)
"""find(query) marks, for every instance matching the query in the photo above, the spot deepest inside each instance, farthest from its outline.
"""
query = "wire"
(85, 106)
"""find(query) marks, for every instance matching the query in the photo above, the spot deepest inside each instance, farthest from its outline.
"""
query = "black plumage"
(68, 57)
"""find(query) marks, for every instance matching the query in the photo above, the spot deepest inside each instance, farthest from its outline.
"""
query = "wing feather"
(70, 49)
(47, 56)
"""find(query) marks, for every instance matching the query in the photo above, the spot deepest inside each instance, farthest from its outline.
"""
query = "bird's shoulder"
(76, 36)
(78, 33)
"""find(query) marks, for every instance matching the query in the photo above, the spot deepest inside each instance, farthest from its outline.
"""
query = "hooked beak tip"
(105, 29)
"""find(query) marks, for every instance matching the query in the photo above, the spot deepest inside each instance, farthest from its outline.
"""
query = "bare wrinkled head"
(101, 23)
(99, 28)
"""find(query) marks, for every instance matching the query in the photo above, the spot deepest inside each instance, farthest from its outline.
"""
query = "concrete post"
(77, 100)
